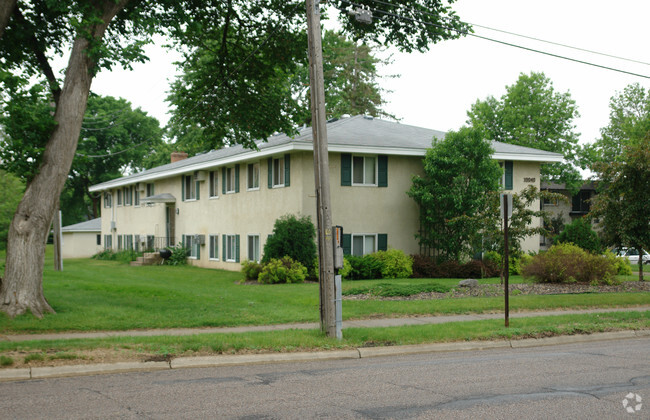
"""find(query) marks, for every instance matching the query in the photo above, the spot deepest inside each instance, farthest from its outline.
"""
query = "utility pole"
(58, 241)
(321, 171)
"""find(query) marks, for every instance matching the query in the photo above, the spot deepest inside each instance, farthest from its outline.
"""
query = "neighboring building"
(82, 240)
(223, 204)
(574, 207)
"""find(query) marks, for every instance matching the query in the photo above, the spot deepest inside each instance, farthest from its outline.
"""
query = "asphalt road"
(576, 381)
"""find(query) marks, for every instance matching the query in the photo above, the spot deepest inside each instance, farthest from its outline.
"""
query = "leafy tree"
(459, 174)
(533, 114)
(103, 33)
(350, 73)
(629, 122)
(580, 233)
(11, 190)
(623, 198)
(294, 237)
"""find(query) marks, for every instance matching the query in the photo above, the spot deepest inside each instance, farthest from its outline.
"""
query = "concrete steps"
(149, 258)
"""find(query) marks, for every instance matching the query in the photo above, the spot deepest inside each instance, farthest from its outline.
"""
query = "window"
(150, 190)
(364, 244)
(128, 196)
(214, 184)
(108, 241)
(189, 188)
(108, 200)
(254, 176)
(136, 197)
(119, 197)
(506, 179)
(128, 242)
(364, 170)
(99, 239)
(230, 180)
(231, 248)
(119, 242)
(214, 247)
(580, 202)
(254, 248)
(193, 245)
(278, 172)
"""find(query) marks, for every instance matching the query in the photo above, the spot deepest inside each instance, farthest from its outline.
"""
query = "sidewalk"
(364, 323)
(21, 374)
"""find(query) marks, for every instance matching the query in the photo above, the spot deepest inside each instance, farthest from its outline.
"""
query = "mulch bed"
(494, 290)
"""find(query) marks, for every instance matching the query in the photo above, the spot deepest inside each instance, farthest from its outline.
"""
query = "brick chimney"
(176, 156)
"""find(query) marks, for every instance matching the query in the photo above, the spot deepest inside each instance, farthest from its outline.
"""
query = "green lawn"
(107, 295)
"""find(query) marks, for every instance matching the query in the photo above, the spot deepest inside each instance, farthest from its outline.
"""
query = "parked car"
(633, 255)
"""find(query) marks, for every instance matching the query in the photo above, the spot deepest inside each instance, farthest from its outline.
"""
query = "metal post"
(321, 170)
(58, 241)
(506, 269)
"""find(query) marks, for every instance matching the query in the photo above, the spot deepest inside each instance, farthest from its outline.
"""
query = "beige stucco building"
(223, 204)
(82, 240)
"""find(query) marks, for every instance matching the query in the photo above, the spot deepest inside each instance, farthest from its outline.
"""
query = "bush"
(251, 269)
(568, 263)
(284, 270)
(125, 256)
(427, 267)
(364, 268)
(622, 264)
(179, 255)
(294, 237)
(394, 264)
(346, 270)
(580, 233)
(105, 255)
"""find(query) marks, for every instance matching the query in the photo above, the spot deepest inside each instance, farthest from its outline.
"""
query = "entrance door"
(170, 223)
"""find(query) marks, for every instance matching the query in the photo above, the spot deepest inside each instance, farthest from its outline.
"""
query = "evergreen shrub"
(284, 270)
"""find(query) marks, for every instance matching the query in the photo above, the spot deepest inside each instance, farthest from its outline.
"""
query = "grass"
(307, 340)
(108, 295)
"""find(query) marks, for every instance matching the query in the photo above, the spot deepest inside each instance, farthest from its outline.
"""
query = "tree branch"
(6, 9)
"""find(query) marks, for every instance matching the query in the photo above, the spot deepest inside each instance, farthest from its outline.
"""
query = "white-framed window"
(278, 172)
(193, 246)
(254, 248)
(214, 247)
(253, 179)
(213, 184)
(128, 242)
(136, 196)
(108, 200)
(128, 196)
(364, 170)
(150, 190)
(230, 180)
(363, 244)
(108, 241)
(189, 187)
(119, 242)
(230, 250)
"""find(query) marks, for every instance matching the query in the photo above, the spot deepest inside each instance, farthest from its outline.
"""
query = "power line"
(429, 23)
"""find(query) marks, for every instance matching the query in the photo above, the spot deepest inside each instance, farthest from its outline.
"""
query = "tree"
(114, 139)
(623, 198)
(11, 190)
(453, 194)
(580, 233)
(103, 33)
(533, 114)
(629, 122)
(351, 79)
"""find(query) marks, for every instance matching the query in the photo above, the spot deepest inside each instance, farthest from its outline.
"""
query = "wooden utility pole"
(321, 171)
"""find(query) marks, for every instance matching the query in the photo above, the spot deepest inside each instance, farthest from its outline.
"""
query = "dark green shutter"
(223, 249)
(183, 241)
(236, 248)
(346, 169)
(508, 173)
(382, 242)
(287, 170)
(270, 171)
(198, 250)
(183, 190)
(223, 180)
(237, 178)
(197, 185)
(382, 163)
(347, 244)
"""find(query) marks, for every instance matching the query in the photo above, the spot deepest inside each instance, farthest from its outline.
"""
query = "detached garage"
(82, 240)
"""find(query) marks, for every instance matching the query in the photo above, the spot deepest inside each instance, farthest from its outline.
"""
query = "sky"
(437, 88)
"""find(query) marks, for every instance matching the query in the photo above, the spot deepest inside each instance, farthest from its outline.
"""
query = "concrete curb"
(359, 353)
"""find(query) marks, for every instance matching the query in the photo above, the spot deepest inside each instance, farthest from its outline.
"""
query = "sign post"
(506, 213)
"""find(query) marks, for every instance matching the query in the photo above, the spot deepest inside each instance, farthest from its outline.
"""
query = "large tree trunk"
(6, 9)
(21, 289)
